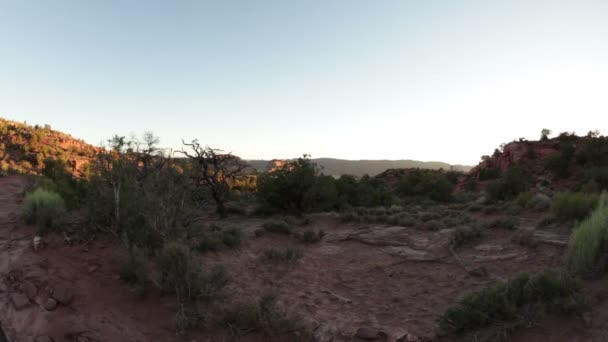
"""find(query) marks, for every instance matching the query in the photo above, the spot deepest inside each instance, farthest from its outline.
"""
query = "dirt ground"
(361, 275)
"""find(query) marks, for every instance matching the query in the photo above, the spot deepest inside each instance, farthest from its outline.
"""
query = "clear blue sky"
(427, 80)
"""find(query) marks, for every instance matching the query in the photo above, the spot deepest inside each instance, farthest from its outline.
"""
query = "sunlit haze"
(433, 80)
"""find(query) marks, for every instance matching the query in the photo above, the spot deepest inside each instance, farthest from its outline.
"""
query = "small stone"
(36, 243)
(63, 295)
(29, 289)
(19, 300)
(43, 339)
(93, 268)
(50, 304)
(588, 319)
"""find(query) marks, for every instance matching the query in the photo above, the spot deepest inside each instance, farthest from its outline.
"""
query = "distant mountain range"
(359, 168)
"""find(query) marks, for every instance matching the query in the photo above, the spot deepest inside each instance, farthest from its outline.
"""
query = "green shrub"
(264, 317)
(515, 181)
(134, 268)
(215, 238)
(525, 237)
(297, 187)
(44, 208)
(259, 232)
(503, 222)
(465, 234)
(587, 247)
(179, 271)
(286, 255)
(431, 184)
(310, 236)
(570, 206)
(277, 226)
(505, 300)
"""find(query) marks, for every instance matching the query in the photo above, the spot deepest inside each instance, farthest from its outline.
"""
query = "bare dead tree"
(215, 170)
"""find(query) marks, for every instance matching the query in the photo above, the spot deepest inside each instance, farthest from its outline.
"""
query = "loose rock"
(19, 300)
(50, 304)
(63, 295)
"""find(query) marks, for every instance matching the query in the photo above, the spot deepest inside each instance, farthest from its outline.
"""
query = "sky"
(426, 80)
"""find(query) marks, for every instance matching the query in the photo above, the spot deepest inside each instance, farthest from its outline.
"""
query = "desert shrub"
(490, 209)
(505, 300)
(215, 238)
(508, 222)
(259, 232)
(44, 208)
(530, 200)
(587, 248)
(465, 234)
(570, 206)
(594, 179)
(179, 271)
(232, 237)
(278, 226)
(297, 187)
(515, 181)
(213, 283)
(437, 186)
(489, 173)
(428, 216)
(282, 256)
(134, 270)
(433, 225)
(139, 193)
(525, 237)
(310, 236)
(559, 163)
(475, 207)
(372, 192)
(264, 316)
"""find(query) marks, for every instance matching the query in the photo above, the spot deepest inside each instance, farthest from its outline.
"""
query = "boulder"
(370, 334)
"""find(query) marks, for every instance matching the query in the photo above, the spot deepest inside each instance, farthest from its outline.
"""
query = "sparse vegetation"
(552, 289)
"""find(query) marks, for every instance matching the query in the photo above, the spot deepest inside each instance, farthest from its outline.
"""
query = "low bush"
(282, 256)
(264, 316)
(587, 248)
(463, 235)
(277, 226)
(216, 238)
(44, 208)
(509, 222)
(310, 236)
(525, 237)
(505, 300)
(515, 181)
(179, 271)
(134, 269)
(573, 206)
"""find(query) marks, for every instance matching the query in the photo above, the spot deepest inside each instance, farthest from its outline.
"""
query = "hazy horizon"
(356, 80)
